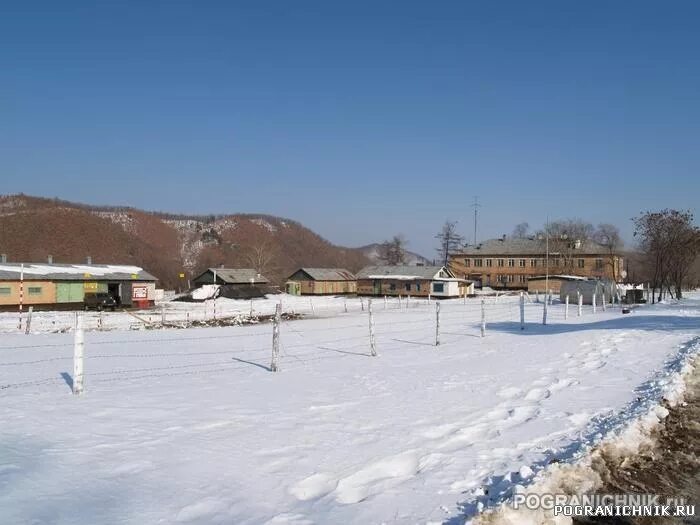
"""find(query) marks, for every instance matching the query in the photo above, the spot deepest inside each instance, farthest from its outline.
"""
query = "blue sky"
(359, 119)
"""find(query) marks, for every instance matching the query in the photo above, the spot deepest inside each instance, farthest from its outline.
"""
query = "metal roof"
(236, 275)
(328, 274)
(528, 246)
(73, 272)
(404, 272)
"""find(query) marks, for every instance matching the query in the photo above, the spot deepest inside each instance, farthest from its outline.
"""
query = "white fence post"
(483, 317)
(385, 302)
(580, 304)
(345, 304)
(522, 311)
(274, 367)
(603, 302)
(428, 296)
(594, 305)
(537, 296)
(566, 307)
(372, 345)
(544, 311)
(251, 307)
(78, 355)
(437, 323)
(162, 316)
(362, 303)
(311, 302)
(550, 296)
(28, 327)
(214, 308)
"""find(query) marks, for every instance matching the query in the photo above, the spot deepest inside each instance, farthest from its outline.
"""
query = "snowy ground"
(189, 426)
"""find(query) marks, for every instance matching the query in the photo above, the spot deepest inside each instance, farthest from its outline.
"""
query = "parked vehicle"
(99, 301)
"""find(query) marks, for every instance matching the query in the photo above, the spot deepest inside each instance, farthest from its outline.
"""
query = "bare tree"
(670, 243)
(393, 252)
(608, 235)
(262, 257)
(521, 230)
(565, 237)
(450, 241)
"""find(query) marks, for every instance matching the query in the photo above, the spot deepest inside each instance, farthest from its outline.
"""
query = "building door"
(377, 287)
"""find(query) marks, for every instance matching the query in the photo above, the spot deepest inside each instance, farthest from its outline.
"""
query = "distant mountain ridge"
(373, 251)
(165, 244)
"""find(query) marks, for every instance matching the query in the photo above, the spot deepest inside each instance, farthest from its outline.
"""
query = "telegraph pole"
(476, 207)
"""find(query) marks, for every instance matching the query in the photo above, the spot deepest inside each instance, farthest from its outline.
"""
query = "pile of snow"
(206, 291)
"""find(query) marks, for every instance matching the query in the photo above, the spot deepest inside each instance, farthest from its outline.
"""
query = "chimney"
(88, 260)
(49, 259)
(3, 258)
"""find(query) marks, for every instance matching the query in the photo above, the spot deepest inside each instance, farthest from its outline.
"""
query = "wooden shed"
(321, 281)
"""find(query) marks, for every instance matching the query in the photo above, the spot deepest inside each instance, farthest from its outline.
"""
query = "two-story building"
(506, 263)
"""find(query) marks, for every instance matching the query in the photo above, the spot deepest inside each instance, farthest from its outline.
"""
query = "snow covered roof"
(528, 246)
(405, 272)
(74, 272)
(328, 274)
(234, 276)
(560, 277)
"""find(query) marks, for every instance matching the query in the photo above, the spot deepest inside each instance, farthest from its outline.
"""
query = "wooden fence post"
(483, 317)
(78, 355)
(544, 311)
(274, 366)
(372, 344)
(437, 323)
(28, 327)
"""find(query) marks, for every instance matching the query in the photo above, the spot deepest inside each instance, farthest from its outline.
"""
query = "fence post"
(428, 296)
(385, 302)
(311, 302)
(594, 305)
(566, 307)
(399, 301)
(214, 308)
(362, 303)
(99, 320)
(483, 317)
(187, 319)
(544, 311)
(537, 296)
(274, 367)
(603, 302)
(345, 304)
(29, 320)
(437, 323)
(550, 296)
(522, 311)
(162, 316)
(78, 354)
(251, 307)
(372, 345)
(580, 303)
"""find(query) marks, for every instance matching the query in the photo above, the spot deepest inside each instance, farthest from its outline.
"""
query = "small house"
(543, 283)
(418, 281)
(321, 281)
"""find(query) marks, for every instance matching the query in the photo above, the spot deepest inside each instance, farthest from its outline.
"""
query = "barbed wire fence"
(276, 344)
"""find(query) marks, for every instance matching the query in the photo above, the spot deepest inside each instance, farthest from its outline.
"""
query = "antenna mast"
(476, 207)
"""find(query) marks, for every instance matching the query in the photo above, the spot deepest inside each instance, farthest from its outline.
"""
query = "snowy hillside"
(190, 426)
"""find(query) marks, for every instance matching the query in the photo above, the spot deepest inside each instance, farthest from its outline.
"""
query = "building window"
(581, 263)
(599, 264)
(5, 290)
(509, 278)
(500, 262)
(467, 262)
(34, 290)
(521, 263)
(522, 278)
(511, 263)
(392, 287)
(533, 263)
(417, 287)
(478, 262)
(489, 262)
(438, 287)
(407, 286)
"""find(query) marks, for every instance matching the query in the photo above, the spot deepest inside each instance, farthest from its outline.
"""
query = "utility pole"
(476, 207)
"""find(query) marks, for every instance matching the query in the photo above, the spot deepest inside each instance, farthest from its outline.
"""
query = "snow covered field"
(190, 426)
